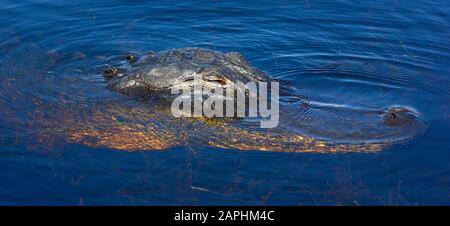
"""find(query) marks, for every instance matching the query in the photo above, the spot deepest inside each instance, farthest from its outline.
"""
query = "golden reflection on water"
(124, 137)
(126, 128)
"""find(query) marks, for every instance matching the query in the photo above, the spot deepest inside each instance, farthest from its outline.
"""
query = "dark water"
(367, 55)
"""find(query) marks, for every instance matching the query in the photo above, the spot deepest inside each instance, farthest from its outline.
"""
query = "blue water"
(366, 54)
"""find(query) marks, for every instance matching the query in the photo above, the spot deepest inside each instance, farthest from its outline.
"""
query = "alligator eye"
(188, 79)
(217, 80)
(151, 54)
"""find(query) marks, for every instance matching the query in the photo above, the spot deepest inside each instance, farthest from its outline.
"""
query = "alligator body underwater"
(149, 125)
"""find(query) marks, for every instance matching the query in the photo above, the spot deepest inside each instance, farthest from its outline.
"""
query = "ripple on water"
(334, 86)
(344, 114)
(345, 65)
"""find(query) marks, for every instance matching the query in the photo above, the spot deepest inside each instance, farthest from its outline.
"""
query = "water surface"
(363, 56)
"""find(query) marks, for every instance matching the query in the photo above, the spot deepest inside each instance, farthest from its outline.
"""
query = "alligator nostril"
(109, 73)
(131, 58)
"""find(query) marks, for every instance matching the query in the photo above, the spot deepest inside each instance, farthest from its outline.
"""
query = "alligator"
(140, 117)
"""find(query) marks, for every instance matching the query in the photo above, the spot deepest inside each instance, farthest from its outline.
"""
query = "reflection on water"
(344, 65)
